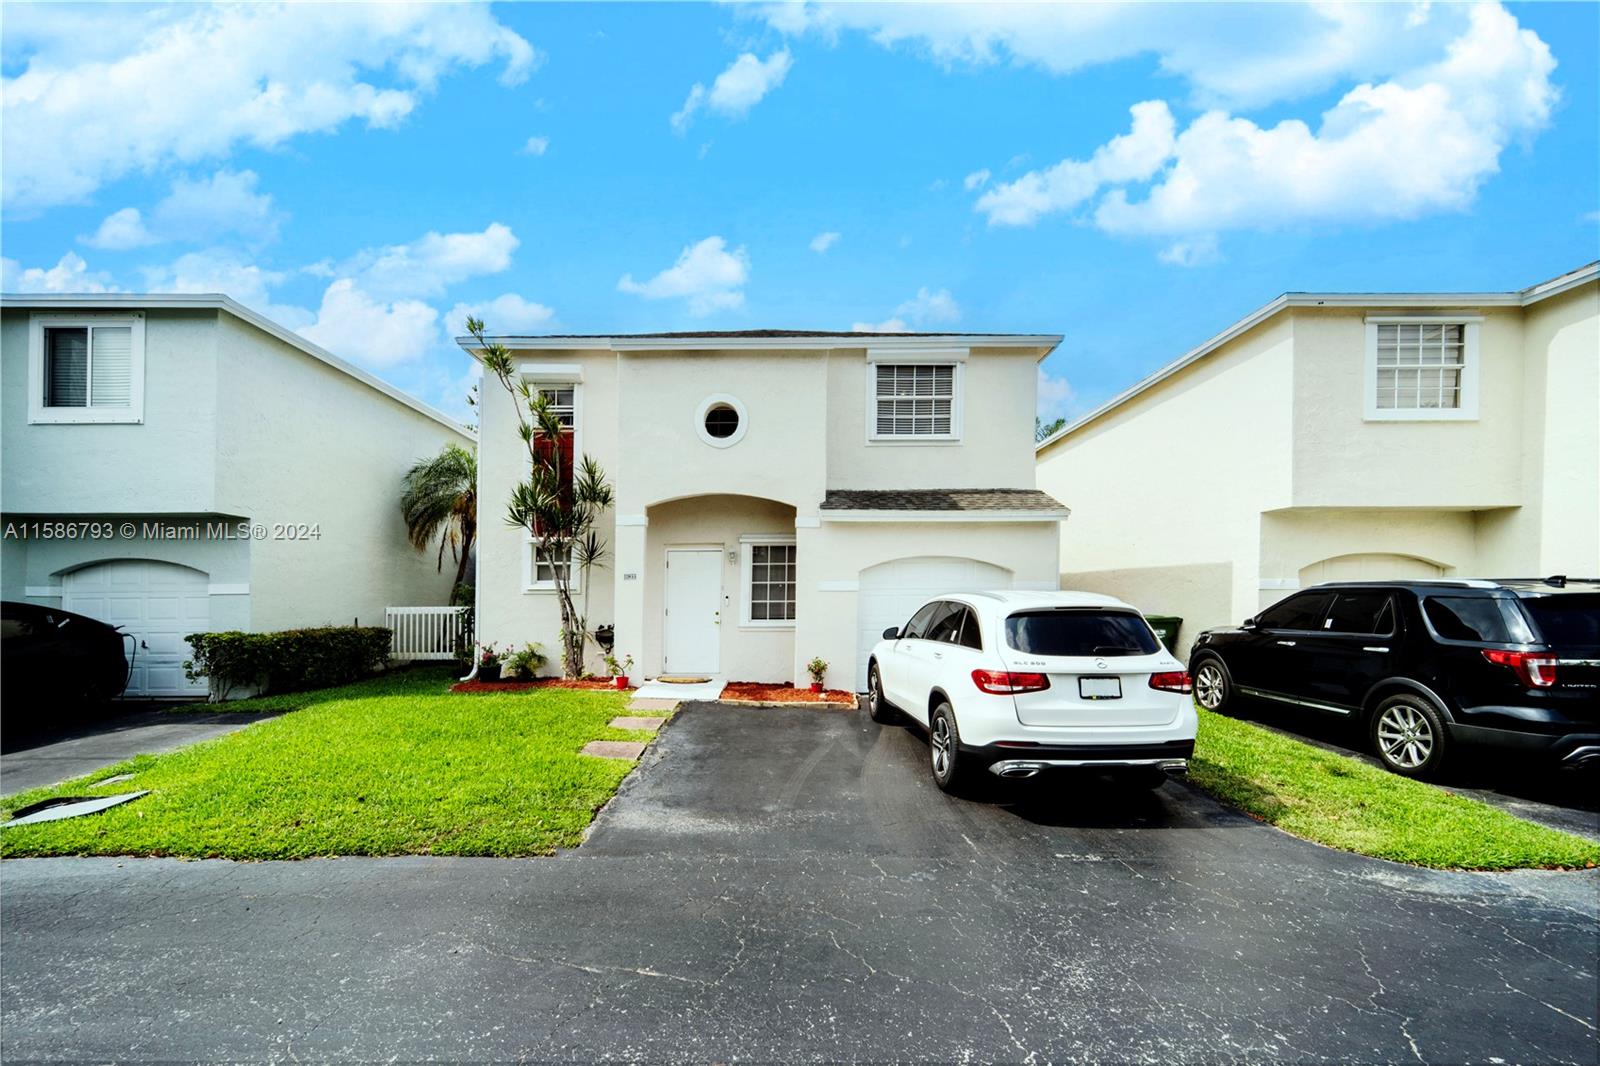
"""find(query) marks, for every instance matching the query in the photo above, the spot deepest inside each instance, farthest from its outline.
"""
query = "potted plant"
(488, 663)
(818, 669)
(524, 664)
(619, 669)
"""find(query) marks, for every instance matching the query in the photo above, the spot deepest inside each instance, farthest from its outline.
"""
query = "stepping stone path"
(636, 722)
(614, 749)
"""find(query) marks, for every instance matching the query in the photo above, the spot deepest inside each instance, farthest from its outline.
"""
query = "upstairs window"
(86, 369)
(915, 401)
(1421, 369)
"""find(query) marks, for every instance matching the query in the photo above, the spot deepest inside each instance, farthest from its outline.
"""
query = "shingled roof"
(940, 500)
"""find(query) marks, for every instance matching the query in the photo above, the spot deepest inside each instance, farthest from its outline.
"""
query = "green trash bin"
(1166, 628)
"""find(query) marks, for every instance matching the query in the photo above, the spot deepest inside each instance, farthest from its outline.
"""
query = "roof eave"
(1045, 342)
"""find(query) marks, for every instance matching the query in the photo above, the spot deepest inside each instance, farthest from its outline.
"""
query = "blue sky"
(1134, 178)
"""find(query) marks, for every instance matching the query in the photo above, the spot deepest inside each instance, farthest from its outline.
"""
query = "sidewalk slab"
(614, 749)
(636, 722)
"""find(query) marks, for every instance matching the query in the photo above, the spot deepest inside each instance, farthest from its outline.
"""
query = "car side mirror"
(1248, 623)
(892, 633)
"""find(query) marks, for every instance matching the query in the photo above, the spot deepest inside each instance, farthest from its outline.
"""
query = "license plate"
(1100, 688)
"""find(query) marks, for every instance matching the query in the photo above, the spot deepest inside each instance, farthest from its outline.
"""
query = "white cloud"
(193, 82)
(352, 324)
(709, 276)
(507, 313)
(429, 264)
(119, 230)
(1056, 396)
(823, 241)
(226, 202)
(925, 309)
(1191, 251)
(737, 89)
(976, 180)
(1422, 142)
(1133, 156)
(536, 146)
(1247, 57)
(70, 274)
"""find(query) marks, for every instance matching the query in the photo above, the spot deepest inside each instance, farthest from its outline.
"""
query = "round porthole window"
(720, 421)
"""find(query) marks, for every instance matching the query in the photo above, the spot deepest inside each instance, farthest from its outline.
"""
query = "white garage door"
(159, 603)
(890, 592)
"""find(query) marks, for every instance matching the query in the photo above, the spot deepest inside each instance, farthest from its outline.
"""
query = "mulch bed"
(587, 684)
(753, 692)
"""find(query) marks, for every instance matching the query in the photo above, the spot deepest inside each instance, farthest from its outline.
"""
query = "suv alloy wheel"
(1212, 689)
(1408, 735)
(944, 747)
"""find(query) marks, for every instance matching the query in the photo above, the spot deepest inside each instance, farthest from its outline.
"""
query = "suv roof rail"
(1400, 582)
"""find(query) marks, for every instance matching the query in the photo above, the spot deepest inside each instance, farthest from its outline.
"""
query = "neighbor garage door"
(159, 603)
(890, 592)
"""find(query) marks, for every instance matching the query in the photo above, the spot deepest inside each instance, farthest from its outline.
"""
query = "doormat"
(683, 680)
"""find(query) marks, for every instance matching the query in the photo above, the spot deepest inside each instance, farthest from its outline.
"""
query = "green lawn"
(1345, 803)
(396, 765)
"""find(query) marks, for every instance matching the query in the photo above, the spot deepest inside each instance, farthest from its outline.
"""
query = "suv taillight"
(1172, 681)
(1535, 669)
(1001, 683)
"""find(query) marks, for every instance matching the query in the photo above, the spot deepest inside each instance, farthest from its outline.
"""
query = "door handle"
(1374, 649)
(938, 655)
(1287, 643)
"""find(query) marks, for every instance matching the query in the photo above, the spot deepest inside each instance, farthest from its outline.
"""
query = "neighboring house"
(1333, 436)
(139, 432)
(779, 495)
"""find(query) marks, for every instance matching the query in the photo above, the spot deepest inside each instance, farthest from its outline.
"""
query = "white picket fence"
(426, 632)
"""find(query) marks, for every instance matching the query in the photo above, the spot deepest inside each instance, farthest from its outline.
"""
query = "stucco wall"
(996, 446)
(1166, 491)
(1561, 459)
(300, 442)
(1342, 460)
(165, 464)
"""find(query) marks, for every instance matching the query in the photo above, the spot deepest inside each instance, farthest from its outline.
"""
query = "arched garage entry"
(1370, 566)
(890, 592)
(158, 603)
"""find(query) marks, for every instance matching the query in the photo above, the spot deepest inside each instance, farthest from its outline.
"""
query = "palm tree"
(440, 499)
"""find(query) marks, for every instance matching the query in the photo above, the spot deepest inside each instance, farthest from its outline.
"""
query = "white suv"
(1021, 682)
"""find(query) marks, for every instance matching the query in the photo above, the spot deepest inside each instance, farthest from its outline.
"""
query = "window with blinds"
(915, 400)
(1420, 366)
(88, 366)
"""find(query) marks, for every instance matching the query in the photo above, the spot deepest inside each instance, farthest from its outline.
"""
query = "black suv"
(1424, 665)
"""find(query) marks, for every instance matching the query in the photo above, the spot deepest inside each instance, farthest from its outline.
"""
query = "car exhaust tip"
(1174, 766)
(1015, 769)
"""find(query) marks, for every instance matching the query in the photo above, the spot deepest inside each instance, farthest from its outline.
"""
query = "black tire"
(1213, 685)
(879, 709)
(1408, 735)
(944, 748)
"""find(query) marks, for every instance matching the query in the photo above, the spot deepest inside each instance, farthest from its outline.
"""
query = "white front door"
(159, 604)
(690, 626)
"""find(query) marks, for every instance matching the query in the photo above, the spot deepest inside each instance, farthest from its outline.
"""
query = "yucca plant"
(559, 504)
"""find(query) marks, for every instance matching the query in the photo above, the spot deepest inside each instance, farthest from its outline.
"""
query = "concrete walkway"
(31, 762)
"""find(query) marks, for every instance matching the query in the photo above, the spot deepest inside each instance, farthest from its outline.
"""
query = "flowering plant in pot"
(818, 669)
(488, 662)
(618, 669)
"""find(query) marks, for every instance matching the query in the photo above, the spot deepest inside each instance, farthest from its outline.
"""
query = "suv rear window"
(1476, 618)
(1569, 623)
(1080, 632)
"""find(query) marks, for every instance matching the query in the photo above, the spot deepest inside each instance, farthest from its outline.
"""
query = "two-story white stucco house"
(1338, 436)
(779, 495)
(175, 464)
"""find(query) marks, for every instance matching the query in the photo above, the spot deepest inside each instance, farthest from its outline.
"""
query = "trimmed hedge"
(289, 660)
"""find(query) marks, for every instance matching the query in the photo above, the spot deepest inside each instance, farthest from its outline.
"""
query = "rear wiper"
(1114, 649)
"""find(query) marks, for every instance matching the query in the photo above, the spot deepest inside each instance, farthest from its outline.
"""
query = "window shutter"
(66, 368)
(111, 384)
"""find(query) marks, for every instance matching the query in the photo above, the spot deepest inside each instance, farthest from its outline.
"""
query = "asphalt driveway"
(778, 884)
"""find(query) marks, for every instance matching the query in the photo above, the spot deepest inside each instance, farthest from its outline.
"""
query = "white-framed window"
(539, 570)
(914, 401)
(768, 581)
(563, 403)
(1422, 368)
(86, 368)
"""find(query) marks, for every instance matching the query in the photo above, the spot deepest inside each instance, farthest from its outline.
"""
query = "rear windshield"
(1080, 632)
(1486, 619)
(1568, 623)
